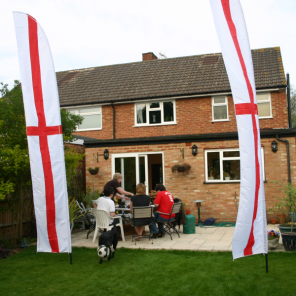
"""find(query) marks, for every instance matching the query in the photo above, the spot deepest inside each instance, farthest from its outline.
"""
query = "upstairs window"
(155, 113)
(264, 105)
(92, 117)
(219, 108)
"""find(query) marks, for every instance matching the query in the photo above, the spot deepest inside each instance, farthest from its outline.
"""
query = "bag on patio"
(209, 221)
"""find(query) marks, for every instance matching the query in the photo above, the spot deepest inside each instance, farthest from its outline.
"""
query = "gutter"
(288, 157)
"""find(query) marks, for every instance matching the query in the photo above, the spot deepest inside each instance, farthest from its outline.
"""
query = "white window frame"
(76, 109)
(155, 109)
(220, 104)
(221, 164)
(265, 101)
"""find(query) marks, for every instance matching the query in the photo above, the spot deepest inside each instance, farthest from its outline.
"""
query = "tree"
(15, 176)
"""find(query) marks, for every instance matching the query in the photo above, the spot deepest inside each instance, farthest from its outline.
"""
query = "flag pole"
(70, 258)
(266, 262)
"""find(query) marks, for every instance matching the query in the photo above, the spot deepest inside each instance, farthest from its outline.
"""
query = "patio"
(205, 239)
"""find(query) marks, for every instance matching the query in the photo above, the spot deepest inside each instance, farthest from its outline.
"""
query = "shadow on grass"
(146, 272)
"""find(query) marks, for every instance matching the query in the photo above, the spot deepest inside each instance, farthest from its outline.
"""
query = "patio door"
(134, 170)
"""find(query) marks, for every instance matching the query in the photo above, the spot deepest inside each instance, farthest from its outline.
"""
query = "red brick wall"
(219, 198)
(194, 116)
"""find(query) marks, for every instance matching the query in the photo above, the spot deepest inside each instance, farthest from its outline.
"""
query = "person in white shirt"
(106, 203)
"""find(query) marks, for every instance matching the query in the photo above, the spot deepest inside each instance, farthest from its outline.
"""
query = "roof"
(191, 75)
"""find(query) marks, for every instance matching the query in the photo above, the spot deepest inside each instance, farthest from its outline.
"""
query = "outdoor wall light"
(274, 147)
(106, 154)
(194, 150)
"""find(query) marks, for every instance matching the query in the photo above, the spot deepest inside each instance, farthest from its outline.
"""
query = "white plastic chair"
(103, 220)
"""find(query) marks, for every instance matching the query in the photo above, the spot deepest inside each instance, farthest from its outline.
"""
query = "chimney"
(149, 56)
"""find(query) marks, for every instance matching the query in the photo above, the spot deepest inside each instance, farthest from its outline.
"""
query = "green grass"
(145, 272)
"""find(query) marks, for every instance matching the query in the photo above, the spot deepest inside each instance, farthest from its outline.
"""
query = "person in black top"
(140, 200)
(118, 191)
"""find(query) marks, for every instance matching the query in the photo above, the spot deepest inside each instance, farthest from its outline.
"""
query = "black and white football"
(103, 251)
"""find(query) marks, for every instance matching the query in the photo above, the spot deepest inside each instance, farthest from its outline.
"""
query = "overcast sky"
(88, 33)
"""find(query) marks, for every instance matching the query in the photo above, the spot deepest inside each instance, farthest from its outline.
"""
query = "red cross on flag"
(44, 134)
(250, 236)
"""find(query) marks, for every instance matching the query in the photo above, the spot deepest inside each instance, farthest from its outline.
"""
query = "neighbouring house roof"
(192, 75)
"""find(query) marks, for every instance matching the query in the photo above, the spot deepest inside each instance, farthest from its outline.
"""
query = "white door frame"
(137, 155)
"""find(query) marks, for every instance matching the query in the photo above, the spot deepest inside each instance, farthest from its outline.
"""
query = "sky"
(90, 33)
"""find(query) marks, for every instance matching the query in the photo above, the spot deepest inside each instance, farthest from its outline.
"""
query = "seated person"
(106, 203)
(116, 184)
(164, 201)
(140, 200)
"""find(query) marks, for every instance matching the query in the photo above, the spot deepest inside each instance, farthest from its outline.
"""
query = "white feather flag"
(44, 134)
(250, 236)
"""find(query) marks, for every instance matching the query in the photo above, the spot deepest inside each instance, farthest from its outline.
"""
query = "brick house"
(148, 115)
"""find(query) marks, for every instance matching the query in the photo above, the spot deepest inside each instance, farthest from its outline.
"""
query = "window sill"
(223, 120)
(221, 182)
(265, 117)
(159, 124)
(89, 129)
(225, 182)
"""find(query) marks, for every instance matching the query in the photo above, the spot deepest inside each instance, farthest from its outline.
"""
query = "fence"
(7, 210)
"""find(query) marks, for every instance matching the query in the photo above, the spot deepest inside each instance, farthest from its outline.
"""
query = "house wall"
(194, 116)
(219, 198)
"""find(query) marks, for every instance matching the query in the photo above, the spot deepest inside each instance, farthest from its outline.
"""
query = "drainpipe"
(289, 101)
(288, 157)
(113, 121)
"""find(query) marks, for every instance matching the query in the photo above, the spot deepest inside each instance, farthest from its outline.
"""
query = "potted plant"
(181, 168)
(273, 239)
(288, 230)
(93, 171)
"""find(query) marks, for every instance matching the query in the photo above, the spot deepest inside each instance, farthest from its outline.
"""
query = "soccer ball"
(103, 251)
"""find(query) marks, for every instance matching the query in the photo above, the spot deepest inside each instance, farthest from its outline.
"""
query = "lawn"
(147, 272)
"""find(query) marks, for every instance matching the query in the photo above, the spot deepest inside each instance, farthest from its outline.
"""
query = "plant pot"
(273, 221)
(181, 169)
(282, 218)
(272, 244)
(289, 241)
(286, 228)
(292, 216)
(93, 171)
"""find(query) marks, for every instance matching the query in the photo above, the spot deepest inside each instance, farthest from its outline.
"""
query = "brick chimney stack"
(149, 56)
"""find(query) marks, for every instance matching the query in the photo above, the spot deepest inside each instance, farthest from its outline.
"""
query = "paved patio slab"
(204, 239)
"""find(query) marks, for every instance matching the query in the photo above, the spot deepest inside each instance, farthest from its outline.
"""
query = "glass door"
(143, 171)
(134, 169)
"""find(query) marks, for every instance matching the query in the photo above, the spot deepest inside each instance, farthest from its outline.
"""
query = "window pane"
(168, 108)
(262, 97)
(141, 113)
(220, 112)
(213, 165)
(154, 105)
(72, 111)
(91, 121)
(263, 109)
(231, 169)
(154, 117)
(219, 100)
(90, 110)
(230, 153)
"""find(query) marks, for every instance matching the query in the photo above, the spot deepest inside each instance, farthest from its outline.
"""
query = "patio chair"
(103, 220)
(141, 216)
(170, 225)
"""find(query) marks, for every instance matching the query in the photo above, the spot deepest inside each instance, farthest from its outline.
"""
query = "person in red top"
(164, 202)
